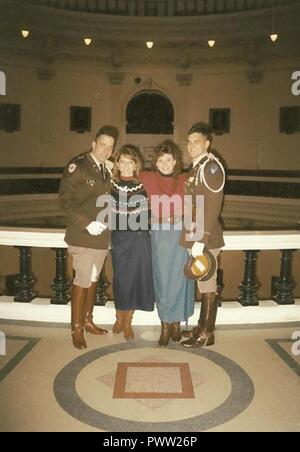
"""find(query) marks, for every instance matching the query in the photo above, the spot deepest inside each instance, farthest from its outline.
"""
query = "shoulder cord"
(201, 173)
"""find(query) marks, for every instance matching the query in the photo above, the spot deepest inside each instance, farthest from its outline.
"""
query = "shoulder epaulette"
(214, 167)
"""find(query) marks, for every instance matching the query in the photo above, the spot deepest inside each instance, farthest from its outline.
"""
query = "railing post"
(103, 284)
(61, 283)
(285, 284)
(25, 280)
(249, 285)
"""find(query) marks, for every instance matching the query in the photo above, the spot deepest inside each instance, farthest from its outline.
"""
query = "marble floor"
(248, 381)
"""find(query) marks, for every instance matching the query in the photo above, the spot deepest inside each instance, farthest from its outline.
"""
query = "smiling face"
(103, 147)
(197, 145)
(166, 164)
(126, 166)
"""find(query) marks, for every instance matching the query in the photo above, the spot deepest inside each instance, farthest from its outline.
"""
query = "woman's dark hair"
(168, 147)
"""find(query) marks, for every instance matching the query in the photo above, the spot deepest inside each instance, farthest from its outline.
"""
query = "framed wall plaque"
(219, 120)
(10, 117)
(80, 119)
(289, 120)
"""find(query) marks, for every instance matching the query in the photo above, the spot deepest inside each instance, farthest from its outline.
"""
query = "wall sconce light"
(88, 41)
(25, 33)
(273, 37)
(149, 44)
(211, 43)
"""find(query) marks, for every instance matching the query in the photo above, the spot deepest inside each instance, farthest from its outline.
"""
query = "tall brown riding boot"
(176, 335)
(118, 326)
(207, 322)
(127, 319)
(89, 325)
(165, 334)
(78, 297)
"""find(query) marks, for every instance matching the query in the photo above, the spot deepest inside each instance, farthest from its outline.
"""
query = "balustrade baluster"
(249, 285)
(25, 280)
(285, 284)
(61, 284)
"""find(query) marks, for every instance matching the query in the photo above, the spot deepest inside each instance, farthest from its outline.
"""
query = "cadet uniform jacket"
(207, 184)
(81, 185)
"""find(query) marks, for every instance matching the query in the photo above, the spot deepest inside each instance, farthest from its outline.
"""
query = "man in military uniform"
(206, 178)
(85, 178)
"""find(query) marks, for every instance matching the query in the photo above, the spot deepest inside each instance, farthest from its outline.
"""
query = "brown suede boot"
(176, 335)
(118, 326)
(78, 298)
(207, 323)
(127, 319)
(165, 334)
(89, 325)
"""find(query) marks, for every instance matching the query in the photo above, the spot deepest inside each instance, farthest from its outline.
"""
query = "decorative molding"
(184, 79)
(255, 75)
(116, 78)
(162, 8)
(184, 61)
(45, 74)
(116, 58)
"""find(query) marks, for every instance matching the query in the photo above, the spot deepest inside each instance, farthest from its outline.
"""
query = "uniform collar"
(199, 159)
(96, 161)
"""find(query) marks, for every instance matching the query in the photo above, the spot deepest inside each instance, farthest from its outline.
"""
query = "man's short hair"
(111, 131)
(203, 128)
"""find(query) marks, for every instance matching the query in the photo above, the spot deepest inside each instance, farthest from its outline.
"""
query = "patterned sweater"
(130, 205)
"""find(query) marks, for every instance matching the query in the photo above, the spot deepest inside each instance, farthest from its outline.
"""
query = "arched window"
(150, 112)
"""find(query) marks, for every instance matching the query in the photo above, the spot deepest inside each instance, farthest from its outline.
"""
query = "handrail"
(234, 240)
(250, 242)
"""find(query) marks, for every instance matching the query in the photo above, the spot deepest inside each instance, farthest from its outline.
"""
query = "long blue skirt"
(175, 295)
(132, 270)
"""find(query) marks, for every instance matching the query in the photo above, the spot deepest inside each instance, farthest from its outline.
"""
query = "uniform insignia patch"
(213, 169)
(91, 182)
(72, 168)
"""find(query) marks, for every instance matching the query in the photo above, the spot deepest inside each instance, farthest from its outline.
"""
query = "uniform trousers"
(87, 263)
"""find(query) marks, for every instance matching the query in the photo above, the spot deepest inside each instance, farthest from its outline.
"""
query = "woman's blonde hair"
(131, 152)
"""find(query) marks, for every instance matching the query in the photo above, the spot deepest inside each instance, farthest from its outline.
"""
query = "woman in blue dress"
(173, 292)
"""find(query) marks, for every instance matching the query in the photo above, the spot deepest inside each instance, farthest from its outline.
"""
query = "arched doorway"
(149, 121)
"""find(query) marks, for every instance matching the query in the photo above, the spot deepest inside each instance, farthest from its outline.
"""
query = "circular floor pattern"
(71, 398)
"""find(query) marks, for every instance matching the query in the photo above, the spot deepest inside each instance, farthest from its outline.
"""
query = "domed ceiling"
(180, 30)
